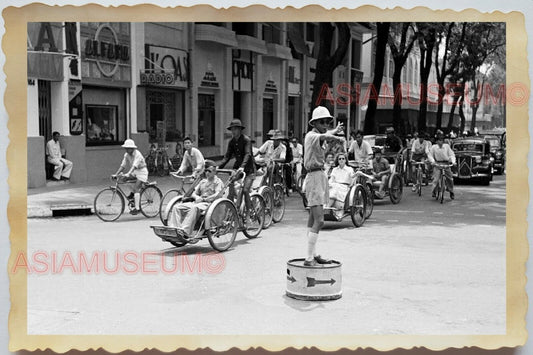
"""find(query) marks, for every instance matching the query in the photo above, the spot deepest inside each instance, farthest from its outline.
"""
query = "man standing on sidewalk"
(316, 181)
(63, 167)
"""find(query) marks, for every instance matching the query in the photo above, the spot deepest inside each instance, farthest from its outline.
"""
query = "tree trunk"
(442, 92)
(462, 114)
(379, 67)
(397, 121)
(452, 112)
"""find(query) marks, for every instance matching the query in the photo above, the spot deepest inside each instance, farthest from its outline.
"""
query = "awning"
(297, 39)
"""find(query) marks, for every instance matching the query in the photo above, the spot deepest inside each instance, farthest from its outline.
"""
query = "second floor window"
(244, 28)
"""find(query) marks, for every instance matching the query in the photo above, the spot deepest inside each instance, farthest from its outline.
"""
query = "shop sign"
(209, 80)
(165, 67)
(45, 60)
(270, 87)
(104, 51)
(75, 107)
(242, 70)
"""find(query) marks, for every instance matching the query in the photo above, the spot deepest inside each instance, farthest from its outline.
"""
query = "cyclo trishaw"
(394, 187)
(222, 219)
(272, 191)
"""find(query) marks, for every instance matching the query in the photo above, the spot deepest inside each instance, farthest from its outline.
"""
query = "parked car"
(497, 152)
(474, 160)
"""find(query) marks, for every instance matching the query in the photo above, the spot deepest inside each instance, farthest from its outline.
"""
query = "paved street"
(418, 267)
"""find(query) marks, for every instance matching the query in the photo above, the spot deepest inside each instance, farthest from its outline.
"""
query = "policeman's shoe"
(134, 211)
(452, 195)
(321, 260)
(310, 263)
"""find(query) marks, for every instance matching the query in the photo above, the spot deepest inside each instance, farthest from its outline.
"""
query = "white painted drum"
(314, 283)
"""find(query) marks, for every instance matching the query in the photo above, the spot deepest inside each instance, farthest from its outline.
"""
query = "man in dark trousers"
(240, 148)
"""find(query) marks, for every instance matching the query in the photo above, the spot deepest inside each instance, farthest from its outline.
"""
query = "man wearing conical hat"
(316, 181)
(137, 169)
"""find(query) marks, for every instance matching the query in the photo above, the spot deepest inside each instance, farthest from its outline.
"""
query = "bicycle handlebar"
(443, 166)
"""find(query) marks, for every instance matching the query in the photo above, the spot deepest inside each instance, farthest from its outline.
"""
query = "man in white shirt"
(297, 157)
(442, 153)
(63, 167)
(361, 150)
(272, 151)
(419, 152)
(193, 160)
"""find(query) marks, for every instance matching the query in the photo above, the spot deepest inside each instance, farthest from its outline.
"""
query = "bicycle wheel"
(266, 193)
(419, 181)
(358, 206)
(221, 223)
(254, 219)
(279, 203)
(167, 197)
(150, 201)
(369, 200)
(442, 188)
(109, 204)
(395, 189)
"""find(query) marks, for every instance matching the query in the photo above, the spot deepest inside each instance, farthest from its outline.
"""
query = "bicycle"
(163, 164)
(177, 193)
(440, 189)
(278, 189)
(252, 228)
(364, 178)
(419, 176)
(109, 203)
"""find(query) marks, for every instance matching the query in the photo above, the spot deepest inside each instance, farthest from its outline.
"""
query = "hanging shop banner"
(242, 70)
(165, 67)
(45, 47)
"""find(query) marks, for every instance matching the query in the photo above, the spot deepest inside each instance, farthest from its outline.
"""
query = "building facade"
(101, 83)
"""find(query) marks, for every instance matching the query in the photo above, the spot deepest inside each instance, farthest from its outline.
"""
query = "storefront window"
(102, 124)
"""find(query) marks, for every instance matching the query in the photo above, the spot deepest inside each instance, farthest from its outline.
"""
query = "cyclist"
(361, 150)
(419, 152)
(273, 149)
(442, 153)
(192, 159)
(185, 215)
(381, 171)
(393, 143)
(297, 157)
(240, 148)
(316, 182)
(137, 170)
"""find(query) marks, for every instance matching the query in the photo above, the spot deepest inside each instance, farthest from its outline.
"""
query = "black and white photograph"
(306, 178)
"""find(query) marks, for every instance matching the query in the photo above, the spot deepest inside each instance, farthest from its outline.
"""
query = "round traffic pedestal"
(314, 283)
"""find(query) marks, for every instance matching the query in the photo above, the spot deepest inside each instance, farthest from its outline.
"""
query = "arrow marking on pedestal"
(311, 282)
(291, 279)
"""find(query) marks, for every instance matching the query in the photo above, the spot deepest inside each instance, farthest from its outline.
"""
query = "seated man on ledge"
(381, 171)
(54, 156)
(184, 215)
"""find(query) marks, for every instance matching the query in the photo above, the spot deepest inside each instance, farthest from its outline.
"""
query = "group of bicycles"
(224, 217)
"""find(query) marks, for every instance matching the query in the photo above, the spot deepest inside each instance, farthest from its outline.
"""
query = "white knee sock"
(311, 245)
(137, 197)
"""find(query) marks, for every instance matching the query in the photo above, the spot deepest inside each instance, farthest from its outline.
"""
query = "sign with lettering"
(209, 80)
(242, 70)
(106, 49)
(44, 45)
(75, 107)
(165, 67)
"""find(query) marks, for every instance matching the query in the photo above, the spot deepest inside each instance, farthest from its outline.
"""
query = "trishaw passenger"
(184, 215)
(381, 171)
(361, 150)
(137, 169)
(193, 160)
(340, 180)
(329, 163)
(316, 182)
